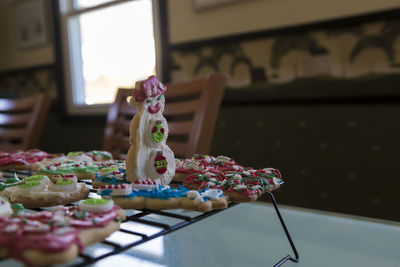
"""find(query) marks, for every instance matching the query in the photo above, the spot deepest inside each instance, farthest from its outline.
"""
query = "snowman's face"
(154, 104)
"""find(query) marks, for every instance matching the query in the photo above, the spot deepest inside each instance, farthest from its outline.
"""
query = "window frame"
(62, 53)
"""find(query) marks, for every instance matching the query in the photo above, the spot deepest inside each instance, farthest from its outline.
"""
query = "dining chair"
(191, 109)
(22, 121)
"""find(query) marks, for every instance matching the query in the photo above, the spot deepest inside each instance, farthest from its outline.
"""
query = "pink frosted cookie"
(57, 236)
(21, 160)
(202, 164)
(241, 186)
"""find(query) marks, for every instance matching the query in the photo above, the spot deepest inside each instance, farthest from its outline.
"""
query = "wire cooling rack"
(138, 217)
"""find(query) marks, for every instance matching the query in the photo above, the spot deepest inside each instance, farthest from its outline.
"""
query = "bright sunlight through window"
(109, 47)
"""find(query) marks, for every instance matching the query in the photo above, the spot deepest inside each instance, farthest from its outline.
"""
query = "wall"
(339, 52)
(187, 25)
(13, 58)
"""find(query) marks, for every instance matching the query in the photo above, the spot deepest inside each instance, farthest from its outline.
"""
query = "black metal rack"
(166, 228)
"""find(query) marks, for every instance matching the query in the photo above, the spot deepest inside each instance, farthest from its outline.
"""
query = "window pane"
(117, 48)
(80, 4)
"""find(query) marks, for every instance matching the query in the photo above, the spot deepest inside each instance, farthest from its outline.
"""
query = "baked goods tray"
(118, 243)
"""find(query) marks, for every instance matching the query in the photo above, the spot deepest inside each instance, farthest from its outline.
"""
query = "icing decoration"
(146, 184)
(64, 176)
(160, 163)
(157, 132)
(98, 155)
(111, 175)
(5, 209)
(74, 154)
(12, 180)
(154, 109)
(69, 167)
(37, 178)
(49, 231)
(246, 182)
(203, 163)
(62, 185)
(166, 193)
(160, 192)
(115, 190)
(149, 88)
(96, 205)
(204, 195)
(17, 208)
(79, 156)
(31, 186)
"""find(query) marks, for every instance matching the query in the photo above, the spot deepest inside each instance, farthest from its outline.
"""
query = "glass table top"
(250, 235)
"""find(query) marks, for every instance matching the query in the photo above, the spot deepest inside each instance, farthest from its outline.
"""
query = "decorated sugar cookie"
(203, 163)
(39, 191)
(241, 186)
(113, 175)
(149, 157)
(82, 169)
(21, 160)
(59, 235)
(146, 194)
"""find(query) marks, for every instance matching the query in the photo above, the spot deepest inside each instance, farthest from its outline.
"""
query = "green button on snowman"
(149, 157)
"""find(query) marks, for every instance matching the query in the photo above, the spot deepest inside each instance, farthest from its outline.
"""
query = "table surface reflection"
(250, 235)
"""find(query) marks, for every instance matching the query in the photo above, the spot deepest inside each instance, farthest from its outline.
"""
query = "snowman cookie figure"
(149, 157)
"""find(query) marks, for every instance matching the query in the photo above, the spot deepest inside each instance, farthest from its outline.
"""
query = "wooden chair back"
(191, 111)
(22, 121)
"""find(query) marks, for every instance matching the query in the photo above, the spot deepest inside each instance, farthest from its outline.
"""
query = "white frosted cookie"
(38, 191)
(149, 157)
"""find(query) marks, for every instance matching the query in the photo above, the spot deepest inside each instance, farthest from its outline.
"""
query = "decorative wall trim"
(327, 24)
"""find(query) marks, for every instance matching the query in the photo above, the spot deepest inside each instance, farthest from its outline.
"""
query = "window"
(105, 44)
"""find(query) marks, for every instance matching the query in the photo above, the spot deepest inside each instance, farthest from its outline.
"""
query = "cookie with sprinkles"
(59, 235)
(241, 186)
(203, 163)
